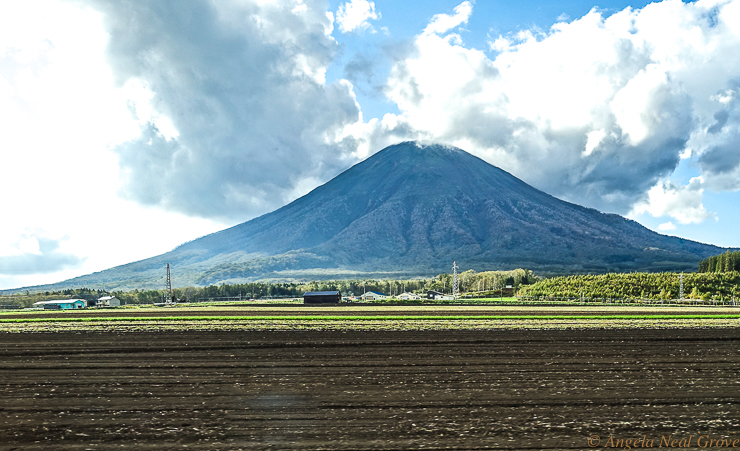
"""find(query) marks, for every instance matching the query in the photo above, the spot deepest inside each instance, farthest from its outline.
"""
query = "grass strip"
(371, 318)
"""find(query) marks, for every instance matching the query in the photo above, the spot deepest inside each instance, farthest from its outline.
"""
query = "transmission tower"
(168, 287)
(455, 281)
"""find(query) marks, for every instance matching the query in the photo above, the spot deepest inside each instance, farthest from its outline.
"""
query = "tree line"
(654, 286)
(469, 282)
(727, 262)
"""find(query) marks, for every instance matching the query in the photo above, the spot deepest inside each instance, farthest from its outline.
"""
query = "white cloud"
(597, 111)
(667, 226)
(593, 140)
(234, 110)
(442, 23)
(60, 110)
(355, 15)
(683, 203)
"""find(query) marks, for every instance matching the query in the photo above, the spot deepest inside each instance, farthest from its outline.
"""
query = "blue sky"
(127, 128)
(404, 20)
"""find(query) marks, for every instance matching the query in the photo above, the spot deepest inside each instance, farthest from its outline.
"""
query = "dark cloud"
(719, 159)
(721, 118)
(47, 260)
(360, 69)
(243, 86)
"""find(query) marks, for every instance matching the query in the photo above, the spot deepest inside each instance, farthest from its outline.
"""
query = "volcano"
(410, 210)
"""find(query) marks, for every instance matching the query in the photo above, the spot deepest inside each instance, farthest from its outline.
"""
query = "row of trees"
(705, 285)
(639, 286)
(727, 262)
(470, 281)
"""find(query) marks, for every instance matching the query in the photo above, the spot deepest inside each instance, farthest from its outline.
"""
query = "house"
(374, 296)
(431, 294)
(408, 296)
(64, 304)
(108, 301)
(322, 297)
(436, 295)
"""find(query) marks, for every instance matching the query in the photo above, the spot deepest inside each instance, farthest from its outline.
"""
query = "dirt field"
(513, 389)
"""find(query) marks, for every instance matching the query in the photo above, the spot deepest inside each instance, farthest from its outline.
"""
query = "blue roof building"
(63, 304)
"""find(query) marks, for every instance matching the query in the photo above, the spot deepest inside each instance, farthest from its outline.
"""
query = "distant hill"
(411, 210)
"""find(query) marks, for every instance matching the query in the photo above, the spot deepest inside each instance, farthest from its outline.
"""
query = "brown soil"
(367, 390)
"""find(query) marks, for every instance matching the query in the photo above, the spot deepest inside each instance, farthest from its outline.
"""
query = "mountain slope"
(411, 210)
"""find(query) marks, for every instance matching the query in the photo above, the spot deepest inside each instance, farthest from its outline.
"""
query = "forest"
(727, 262)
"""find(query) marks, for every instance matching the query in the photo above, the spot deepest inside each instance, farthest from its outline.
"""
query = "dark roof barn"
(322, 297)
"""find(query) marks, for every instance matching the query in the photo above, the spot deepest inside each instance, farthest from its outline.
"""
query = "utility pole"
(455, 281)
(680, 289)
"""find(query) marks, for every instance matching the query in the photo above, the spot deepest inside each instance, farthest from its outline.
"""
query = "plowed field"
(461, 389)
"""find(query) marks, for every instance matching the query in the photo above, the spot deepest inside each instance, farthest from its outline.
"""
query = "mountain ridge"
(410, 210)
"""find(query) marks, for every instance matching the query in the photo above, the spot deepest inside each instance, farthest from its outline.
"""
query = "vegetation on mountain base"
(470, 281)
(727, 262)
(651, 286)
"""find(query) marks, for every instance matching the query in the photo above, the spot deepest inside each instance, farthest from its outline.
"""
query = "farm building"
(108, 301)
(322, 297)
(408, 296)
(374, 296)
(61, 304)
(431, 294)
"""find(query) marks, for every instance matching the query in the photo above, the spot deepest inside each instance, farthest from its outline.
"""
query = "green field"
(370, 317)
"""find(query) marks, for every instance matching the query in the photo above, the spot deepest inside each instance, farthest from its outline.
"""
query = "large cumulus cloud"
(599, 111)
(236, 115)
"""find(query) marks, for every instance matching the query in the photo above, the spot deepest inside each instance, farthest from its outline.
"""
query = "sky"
(128, 127)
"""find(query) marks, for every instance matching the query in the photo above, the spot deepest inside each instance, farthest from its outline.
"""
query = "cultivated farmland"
(367, 378)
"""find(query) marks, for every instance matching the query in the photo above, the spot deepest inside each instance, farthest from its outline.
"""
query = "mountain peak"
(410, 210)
(412, 150)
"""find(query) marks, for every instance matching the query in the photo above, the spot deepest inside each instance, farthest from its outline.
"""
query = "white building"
(374, 296)
(108, 301)
(436, 295)
(408, 296)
